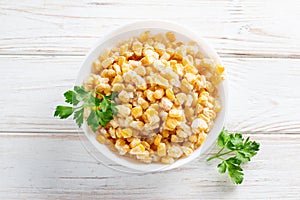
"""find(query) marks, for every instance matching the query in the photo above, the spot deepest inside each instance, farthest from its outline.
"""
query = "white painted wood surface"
(42, 44)
(53, 166)
(264, 93)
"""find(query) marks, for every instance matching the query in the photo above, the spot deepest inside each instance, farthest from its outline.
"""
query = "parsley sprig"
(102, 108)
(243, 151)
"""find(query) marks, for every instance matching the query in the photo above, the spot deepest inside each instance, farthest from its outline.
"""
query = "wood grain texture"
(42, 44)
(235, 28)
(263, 93)
(45, 166)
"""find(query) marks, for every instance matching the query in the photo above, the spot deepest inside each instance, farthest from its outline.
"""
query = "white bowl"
(102, 152)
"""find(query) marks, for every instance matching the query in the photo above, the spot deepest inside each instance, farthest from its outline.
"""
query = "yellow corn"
(157, 139)
(161, 149)
(171, 123)
(126, 133)
(137, 112)
(170, 94)
(101, 139)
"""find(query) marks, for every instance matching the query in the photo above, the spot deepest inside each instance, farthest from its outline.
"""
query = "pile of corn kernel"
(167, 97)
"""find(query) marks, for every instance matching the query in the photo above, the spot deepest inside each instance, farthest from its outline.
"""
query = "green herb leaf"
(92, 121)
(235, 173)
(114, 109)
(113, 95)
(104, 104)
(222, 167)
(78, 116)
(80, 90)
(63, 111)
(71, 97)
(223, 138)
(242, 151)
(102, 109)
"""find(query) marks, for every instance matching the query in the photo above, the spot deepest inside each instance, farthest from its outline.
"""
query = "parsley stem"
(220, 150)
(219, 155)
(75, 108)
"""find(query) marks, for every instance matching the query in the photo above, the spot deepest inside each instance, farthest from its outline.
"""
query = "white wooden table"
(42, 44)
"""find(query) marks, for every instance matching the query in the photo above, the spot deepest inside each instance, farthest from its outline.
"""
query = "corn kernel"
(159, 48)
(137, 112)
(159, 80)
(170, 94)
(176, 113)
(126, 133)
(134, 142)
(157, 139)
(165, 133)
(161, 149)
(118, 87)
(163, 115)
(137, 48)
(106, 63)
(145, 144)
(199, 125)
(97, 65)
(205, 118)
(193, 138)
(137, 149)
(203, 98)
(117, 68)
(186, 86)
(188, 60)
(174, 138)
(167, 160)
(209, 113)
(117, 79)
(137, 125)
(181, 133)
(171, 123)
(187, 150)
(166, 104)
(112, 132)
(108, 73)
(142, 102)
(121, 61)
(120, 142)
(180, 52)
(170, 36)
(140, 70)
(143, 37)
(190, 69)
(165, 56)
(198, 109)
(152, 116)
(218, 106)
(201, 138)
(175, 151)
(159, 93)
(150, 95)
(101, 139)
(220, 69)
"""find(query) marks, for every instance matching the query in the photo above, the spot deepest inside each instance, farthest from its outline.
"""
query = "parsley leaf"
(101, 109)
(92, 121)
(71, 97)
(78, 116)
(222, 167)
(63, 111)
(104, 104)
(244, 150)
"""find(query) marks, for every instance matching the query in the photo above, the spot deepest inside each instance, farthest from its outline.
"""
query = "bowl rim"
(177, 28)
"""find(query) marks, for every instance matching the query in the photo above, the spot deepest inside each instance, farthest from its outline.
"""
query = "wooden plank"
(263, 93)
(45, 166)
(235, 28)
